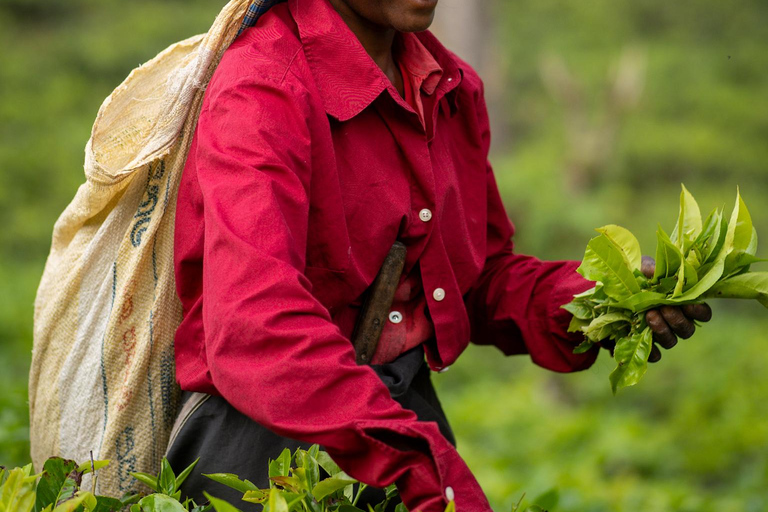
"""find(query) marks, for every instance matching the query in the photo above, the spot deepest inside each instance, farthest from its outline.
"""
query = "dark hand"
(668, 322)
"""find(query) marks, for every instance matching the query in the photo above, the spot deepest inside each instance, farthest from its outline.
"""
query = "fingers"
(700, 312)
(670, 322)
(681, 325)
(655, 354)
(609, 345)
(648, 266)
(662, 333)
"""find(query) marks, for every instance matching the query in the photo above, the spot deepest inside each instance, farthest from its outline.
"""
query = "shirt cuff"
(572, 283)
(428, 487)
(423, 474)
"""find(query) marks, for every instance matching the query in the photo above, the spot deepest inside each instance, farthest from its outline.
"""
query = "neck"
(376, 40)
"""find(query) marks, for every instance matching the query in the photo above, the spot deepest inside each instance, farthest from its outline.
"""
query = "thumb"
(648, 266)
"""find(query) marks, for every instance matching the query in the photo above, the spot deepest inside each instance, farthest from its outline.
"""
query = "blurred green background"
(602, 109)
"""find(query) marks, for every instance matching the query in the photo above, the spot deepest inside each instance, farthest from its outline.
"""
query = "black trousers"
(227, 441)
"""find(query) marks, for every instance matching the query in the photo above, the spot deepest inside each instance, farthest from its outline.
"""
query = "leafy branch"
(700, 260)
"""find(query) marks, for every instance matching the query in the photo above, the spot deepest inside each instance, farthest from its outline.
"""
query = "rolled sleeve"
(516, 302)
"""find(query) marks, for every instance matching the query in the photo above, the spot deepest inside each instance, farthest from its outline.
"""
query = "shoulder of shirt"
(471, 83)
(264, 53)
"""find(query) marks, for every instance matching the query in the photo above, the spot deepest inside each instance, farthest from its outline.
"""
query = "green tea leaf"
(130, 499)
(351, 508)
(67, 490)
(626, 242)
(329, 486)
(601, 327)
(281, 465)
(688, 226)
(708, 230)
(293, 499)
(580, 308)
(221, 505)
(584, 346)
(73, 502)
(257, 496)
(167, 478)
(147, 479)
(578, 325)
(668, 256)
(631, 356)
(292, 483)
(276, 502)
(744, 235)
(666, 285)
(85, 467)
(233, 481)
(328, 464)
(55, 472)
(711, 248)
(753, 285)
(160, 503)
(184, 474)
(17, 493)
(686, 277)
(107, 504)
(604, 262)
(90, 503)
(642, 301)
(586, 294)
(714, 273)
(306, 461)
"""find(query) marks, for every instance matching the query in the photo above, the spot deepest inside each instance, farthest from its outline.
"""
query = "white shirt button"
(449, 493)
(443, 370)
(395, 317)
(438, 294)
(425, 215)
(450, 80)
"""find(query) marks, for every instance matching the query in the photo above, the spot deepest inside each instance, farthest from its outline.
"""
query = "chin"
(416, 22)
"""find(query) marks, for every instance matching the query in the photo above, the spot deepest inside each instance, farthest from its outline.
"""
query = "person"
(329, 131)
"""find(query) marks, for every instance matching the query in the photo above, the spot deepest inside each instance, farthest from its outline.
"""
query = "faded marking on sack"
(150, 393)
(103, 366)
(126, 459)
(128, 345)
(148, 205)
(167, 387)
(127, 309)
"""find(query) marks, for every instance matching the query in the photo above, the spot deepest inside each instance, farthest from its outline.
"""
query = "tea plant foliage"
(699, 260)
(305, 481)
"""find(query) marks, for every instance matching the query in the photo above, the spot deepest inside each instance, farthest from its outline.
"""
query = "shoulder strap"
(255, 11)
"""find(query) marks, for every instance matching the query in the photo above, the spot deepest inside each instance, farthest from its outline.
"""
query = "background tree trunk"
(467, 29)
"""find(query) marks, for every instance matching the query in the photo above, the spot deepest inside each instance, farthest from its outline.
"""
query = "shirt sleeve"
(516, 302)
(270, 345)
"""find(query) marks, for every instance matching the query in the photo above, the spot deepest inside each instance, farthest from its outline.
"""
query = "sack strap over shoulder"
(255, 11)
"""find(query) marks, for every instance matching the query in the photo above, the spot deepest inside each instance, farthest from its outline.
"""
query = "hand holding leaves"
(638, 304)
(670, 322)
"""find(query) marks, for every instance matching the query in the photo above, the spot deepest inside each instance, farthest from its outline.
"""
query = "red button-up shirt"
(306, 166)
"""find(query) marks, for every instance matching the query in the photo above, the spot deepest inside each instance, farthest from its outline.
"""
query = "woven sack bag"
(102, 377)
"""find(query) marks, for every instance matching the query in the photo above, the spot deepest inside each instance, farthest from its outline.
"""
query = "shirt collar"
(418, 62)
(347, 78)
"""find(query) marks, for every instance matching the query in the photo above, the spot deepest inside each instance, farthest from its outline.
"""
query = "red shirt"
(306, 166)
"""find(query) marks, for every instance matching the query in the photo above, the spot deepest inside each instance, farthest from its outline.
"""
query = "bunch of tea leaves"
(699, 260)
